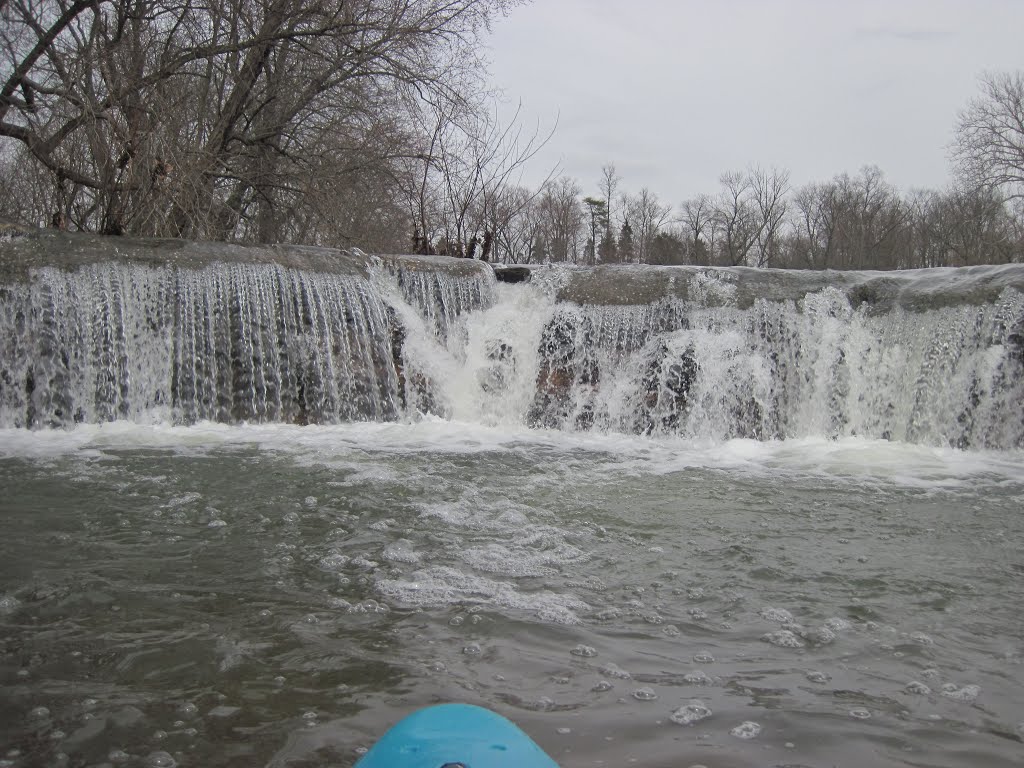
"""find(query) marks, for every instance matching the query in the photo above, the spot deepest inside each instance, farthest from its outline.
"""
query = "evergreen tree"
(627, 249)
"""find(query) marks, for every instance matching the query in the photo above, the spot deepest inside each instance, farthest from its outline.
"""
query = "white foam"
(846, 459)
(440, 586)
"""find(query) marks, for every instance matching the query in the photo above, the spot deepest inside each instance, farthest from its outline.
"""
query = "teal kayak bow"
(455, 736)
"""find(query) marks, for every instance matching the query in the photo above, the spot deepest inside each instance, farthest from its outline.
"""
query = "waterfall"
(933, 357)
(225, 342)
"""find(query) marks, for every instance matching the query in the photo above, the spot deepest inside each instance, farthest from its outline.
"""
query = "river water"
(275, 595)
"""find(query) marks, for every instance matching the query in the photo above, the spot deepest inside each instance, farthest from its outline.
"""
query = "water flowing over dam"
(93, 332)
(259, 503)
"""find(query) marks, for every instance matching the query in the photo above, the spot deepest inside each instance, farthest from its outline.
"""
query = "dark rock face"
(665, 390)
(512, 274)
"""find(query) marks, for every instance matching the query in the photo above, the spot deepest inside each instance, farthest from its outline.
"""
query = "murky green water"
(225, 596)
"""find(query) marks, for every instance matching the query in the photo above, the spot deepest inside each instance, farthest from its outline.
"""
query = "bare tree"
(988, 151)
(227, 120)
(736, 218)
(817, 223)
(647, 215)
(562, 220)
(474, 156)
(697, 216)
(769, 190)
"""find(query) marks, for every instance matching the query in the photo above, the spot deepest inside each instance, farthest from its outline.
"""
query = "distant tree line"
(368, 123)
(756, 218)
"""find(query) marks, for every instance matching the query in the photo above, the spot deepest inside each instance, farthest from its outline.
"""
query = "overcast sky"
(674, 92)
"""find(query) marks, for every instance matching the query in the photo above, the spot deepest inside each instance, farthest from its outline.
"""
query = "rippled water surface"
(232, 596)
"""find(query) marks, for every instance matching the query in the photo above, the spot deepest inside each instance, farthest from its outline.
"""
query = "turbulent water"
(238, 596)
(253, 514)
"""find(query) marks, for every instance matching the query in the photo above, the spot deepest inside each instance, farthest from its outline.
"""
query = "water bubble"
(560, 680)
(456, 621)
(309, 715)
(218, 523)
(310, 618)
(279, 680)
(671, 630)
(783, 639)
(159, 735)
(699, 677)
(917, 687)
(39, 713)
(265, 614)
(188, 709)
(779, 615)
(160, 759)
(691, 713)
(653, 618)
(614, 670)
(695, 593)
(602, 686)
(57, 735)
(585, 651)
(645, 694)
(369, 606)
(931, 673)
(564, 731)
(190, 732)
(817, 677)
(704, 658)
(543, 704)
(472, 649)
(437, 666)
(747, 730)
(966, 694)
(334, 560)
(697, 614)
(860, 713)
(309, 502)
(820, 636)
(921, 638)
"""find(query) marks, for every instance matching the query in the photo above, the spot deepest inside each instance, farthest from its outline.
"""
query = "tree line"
(758, 219)
(370, 123)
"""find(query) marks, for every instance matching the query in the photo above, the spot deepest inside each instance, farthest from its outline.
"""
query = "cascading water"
(705, 367)
(227, 342)
(707, 358)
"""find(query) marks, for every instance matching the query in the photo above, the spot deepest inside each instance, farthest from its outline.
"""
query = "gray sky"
(675, 92)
